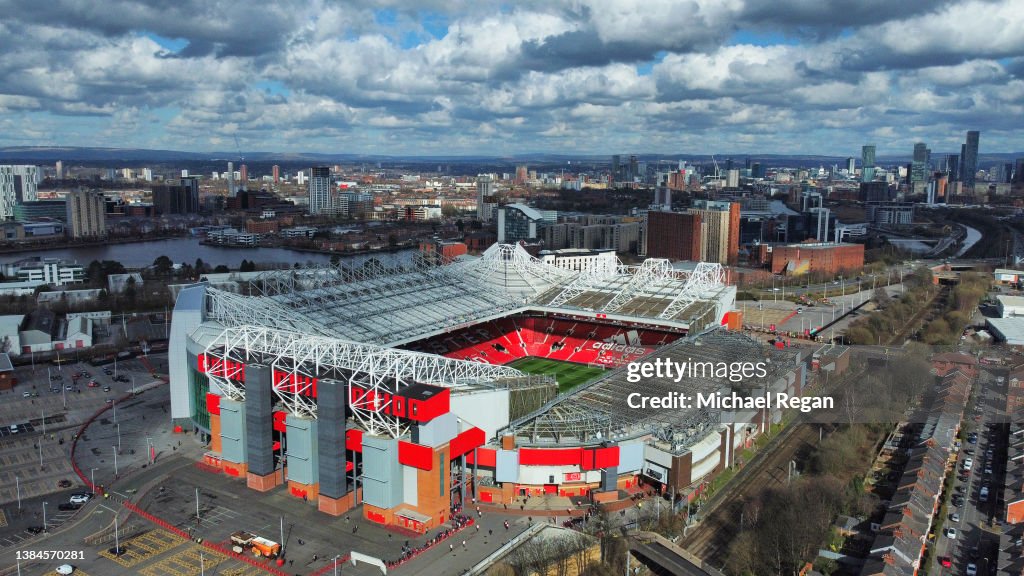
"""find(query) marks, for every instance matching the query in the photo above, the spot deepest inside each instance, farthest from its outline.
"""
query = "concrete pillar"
(334, 497)
(259, 424)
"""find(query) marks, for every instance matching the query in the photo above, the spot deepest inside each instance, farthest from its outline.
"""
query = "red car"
(945, 561)
(93, 384)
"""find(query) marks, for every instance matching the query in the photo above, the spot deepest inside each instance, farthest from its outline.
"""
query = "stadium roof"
(377, 305)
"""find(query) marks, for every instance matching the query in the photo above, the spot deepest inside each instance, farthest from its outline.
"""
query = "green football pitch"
(567, 374)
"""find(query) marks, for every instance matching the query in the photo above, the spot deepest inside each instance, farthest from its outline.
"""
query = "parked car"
(950, 533)
(106, 388)
(80, 498)
(65, 569)
(954, 517)
(972, 569)
(93, 384)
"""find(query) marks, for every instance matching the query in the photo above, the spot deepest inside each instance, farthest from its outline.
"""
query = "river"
(186, 250)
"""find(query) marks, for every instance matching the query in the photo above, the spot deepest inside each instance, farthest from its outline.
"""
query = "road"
(976, 541)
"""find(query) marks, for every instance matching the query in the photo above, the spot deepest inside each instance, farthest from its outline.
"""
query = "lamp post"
(118, 426)
(44, 516)
(92, 479)
(17, 486)
(114, 448)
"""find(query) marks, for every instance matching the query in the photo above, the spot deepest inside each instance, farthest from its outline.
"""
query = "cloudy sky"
(480, 77)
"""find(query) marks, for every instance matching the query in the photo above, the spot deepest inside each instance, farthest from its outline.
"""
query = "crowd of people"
(459, 522)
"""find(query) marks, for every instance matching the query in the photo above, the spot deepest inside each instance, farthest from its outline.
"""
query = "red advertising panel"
(552, 457)
(466, 441)
(487, 457)
(415, 455)
(354, 440)
(213, 404)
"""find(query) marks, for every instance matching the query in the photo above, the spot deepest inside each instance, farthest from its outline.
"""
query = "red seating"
(504, 340)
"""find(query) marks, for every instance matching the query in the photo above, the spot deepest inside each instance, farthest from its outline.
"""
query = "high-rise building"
(867, 162)
(616, 168)
(276, 173)
(732, 178)
(1018, 171)
(320, 193)
(720, 229)
(952, 167)
(485, 201)
(60, 169)
(851, 165)
(184, 173)
(919, 167)
(969, 158)
(86, 214)
(18, 183)
(231, 179)
(244, 184)
(673, 235)
(177, 196)
(522, 173)
(520, 222)
(634, 169)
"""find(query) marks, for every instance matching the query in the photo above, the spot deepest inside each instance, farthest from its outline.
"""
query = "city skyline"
(594, 77)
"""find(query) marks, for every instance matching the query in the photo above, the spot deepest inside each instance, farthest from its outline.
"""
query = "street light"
(118, 426)
(17, 486)
(92, 479)
(44, 516)
(336, 565)
(114, 448)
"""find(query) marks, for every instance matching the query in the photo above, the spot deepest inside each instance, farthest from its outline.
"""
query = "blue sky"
(458, 77)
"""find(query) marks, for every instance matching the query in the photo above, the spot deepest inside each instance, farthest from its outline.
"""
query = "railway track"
(723, 513)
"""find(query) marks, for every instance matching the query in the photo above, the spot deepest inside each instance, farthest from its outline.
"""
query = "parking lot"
(976, 503)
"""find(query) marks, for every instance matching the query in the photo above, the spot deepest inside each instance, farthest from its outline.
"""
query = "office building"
(969, 158)
(522, 173)
(17, 184)
(673, 235)
(851, 165)
(177, 196)
(59, 169)
(231, 179)
(518, 222)
(39, 209)
(320, 193)
(952, 167)
(874, 191)
(1018, 171)
(86, 214)
(485, 197)
(276, 173)
(919, 167)
(889, 213)
(867, 161)
(244, 177)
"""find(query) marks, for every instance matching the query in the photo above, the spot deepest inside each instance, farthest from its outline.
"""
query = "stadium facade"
(389, 387)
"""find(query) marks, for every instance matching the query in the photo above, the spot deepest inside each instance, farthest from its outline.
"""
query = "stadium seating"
(507, 339)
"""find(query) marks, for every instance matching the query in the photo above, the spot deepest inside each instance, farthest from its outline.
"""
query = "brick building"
(674, 235)
(813, 257)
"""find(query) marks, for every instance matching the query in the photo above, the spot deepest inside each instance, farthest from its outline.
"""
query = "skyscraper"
(86, 214)
(485, 201)
(276, 173)
(231, 178)
(244, 177)
(867, 161)
(851, 165)
(919, 167)
(1018, 171)
(60, 169)
(616, 168)
(969, 158)
(320, 190)
(952, 167)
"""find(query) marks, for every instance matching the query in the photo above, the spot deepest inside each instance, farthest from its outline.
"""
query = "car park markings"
(144, 547)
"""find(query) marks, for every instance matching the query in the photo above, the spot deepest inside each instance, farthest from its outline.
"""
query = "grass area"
(567, 374)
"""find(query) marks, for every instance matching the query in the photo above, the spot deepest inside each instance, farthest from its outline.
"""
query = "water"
(186, 250)
(973, 235)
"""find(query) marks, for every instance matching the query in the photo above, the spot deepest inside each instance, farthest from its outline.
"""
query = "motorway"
(977, 538)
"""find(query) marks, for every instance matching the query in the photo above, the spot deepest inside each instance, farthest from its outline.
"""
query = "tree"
(200, 266)
(221, 269)
(163, 265)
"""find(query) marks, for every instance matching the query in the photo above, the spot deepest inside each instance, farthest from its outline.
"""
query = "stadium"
(408, 390)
